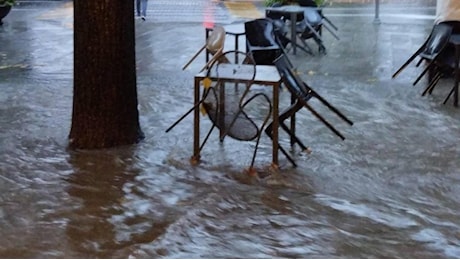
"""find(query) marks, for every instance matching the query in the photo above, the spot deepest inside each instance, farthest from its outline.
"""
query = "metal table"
(265, 75)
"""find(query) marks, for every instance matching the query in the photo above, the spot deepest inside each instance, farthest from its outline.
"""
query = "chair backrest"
(280, 32)
(311, 16)
(214, 45)
(438, 39)
(260, 32)
(216, 40)
(292, 81)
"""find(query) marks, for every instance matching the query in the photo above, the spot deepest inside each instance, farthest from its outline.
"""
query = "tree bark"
(105, 96)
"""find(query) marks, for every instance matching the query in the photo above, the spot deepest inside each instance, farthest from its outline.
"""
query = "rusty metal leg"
(292, 130)
(276, 89)
(221, 111)
(196, 122)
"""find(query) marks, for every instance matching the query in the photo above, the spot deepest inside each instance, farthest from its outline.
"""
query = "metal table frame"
(265, 75)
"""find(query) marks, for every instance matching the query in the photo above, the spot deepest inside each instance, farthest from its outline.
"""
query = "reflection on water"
(390, 190)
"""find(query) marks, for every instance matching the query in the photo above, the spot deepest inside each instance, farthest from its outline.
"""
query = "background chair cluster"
(441, 55)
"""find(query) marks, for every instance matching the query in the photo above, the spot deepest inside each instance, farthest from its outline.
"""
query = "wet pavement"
(390, 190)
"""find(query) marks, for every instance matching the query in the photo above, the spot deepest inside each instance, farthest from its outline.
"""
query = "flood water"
(390, 190)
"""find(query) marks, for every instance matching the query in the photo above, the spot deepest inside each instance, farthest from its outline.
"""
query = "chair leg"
(324, 121)
(283, 117)
(189, 111)
(294, 137)
(331, 31)
(331, 107)
(329, 22)
(268, 131)
(207, 136)
(407, 62)
(306, 46)
(452, 91)
(259, 134)
(448, 96)
(306, 49)
(427, 68)
(433, 82)
(318, 39)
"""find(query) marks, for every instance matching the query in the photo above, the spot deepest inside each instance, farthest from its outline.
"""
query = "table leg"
(457, 74)
(236, 48)
(196, 122)
(293, 32)
(276, 88)
(293, 100)
(221, 112)
(207, 31)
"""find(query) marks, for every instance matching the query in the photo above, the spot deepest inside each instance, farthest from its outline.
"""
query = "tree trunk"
(105, 96)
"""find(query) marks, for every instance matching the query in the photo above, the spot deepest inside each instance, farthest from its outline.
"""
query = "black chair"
(429, 52)
(311, 27)
(445, 64)
(228, 105)
(281, 36)
(260, 41)
(301, 94)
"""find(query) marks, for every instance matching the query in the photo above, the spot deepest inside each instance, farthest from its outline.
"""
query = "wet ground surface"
(390, 190)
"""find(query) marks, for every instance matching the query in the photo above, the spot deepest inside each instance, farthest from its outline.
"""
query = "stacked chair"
(301, 94)
(439, 57)
(311, 26)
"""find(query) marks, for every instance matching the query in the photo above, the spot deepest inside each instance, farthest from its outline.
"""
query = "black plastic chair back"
(437, 40)
(260, 32)
(261, 42)
(294, 84)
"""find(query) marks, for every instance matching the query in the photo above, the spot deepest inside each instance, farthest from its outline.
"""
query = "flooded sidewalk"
(390, 190)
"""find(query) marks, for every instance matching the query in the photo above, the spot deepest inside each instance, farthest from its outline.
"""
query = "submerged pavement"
(390, 190)
(37, 44)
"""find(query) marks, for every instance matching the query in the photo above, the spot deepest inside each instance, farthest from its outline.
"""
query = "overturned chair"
(228, 103)
(301, 94)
